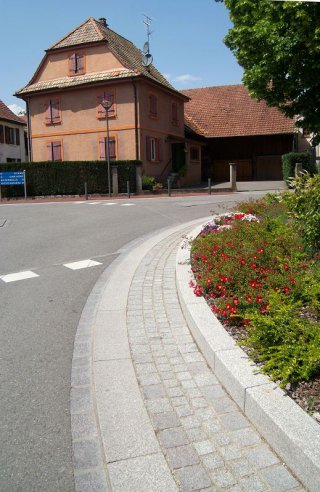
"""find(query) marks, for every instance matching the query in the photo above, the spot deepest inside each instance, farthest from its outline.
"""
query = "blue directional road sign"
(11, 178)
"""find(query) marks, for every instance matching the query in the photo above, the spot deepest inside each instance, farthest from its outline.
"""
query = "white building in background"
(12, 136)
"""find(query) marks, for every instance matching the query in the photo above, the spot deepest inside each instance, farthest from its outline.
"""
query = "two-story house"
(12, 136)
(66, 120)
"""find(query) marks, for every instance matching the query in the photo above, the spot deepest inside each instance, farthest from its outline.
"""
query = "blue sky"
(186, 43)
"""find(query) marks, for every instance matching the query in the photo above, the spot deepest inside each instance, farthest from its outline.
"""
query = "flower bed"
(254, 272)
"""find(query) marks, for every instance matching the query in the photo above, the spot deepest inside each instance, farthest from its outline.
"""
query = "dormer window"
(77, 63)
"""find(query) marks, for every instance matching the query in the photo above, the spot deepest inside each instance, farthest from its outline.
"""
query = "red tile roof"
(8, 115)
(96, 31)
(229, 111)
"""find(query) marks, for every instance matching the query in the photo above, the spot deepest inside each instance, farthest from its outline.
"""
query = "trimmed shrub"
(68, 177)
(289, 163)
(304, 209)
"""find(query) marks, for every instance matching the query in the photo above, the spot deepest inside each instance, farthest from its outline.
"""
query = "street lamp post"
(107, 103)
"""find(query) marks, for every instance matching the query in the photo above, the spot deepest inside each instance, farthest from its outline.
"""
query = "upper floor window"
(17, 136)
(174, 113)
(77, 63)
(52, 112)
(1, 134)
(54, 150)
(194, 154)
(9, 135)
(153, 106)
(101, 111)
(154, 149)
(103, 148)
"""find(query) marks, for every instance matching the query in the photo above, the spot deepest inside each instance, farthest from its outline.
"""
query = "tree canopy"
(278, 46)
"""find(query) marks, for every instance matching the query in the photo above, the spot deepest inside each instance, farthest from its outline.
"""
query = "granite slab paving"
(206, 440)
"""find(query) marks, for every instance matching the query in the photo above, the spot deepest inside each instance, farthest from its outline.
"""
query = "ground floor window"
(103, 148)
(154, 149)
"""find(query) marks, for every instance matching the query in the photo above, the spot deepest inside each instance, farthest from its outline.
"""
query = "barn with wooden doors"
(238, 128)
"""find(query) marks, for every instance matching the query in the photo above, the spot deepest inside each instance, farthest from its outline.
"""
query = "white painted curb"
(293, 434)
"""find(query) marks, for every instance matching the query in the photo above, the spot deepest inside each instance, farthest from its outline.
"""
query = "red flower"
(239, 216)
(286, 266)
(299, 247)
(253, 266)
(249, 299)
(260, 251)
(253, 283)
(208, 280)
(242, 261)
(236, 301)
(286, 290)
(259, 300)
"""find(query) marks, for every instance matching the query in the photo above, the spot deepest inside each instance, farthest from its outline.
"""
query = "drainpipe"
(136, 130)
(29, 139)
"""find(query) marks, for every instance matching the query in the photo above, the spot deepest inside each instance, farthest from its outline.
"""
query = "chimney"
(103, 21)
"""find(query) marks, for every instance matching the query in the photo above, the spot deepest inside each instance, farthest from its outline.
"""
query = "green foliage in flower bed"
(287, 343)
(68, 177)
(304, 208)
(257, 276)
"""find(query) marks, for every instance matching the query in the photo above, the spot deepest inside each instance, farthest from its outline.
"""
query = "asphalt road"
(39, 317)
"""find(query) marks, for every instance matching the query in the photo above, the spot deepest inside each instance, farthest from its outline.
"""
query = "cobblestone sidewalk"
(206, 440)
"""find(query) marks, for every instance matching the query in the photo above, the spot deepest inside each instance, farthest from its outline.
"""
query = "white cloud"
(18, 110)
(186, 78)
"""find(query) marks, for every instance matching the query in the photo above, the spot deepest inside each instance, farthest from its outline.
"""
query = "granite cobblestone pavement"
(207, 441)
(147, 413)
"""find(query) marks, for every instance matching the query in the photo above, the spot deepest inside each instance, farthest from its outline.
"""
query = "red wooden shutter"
(1, 134)
(159, 149)
(174, 113)
(50, 151)
(72, 63)
(56, 151)
(17, 136)
(148, 140)
(110, 97)
(112, 148)
(153, 105)
(55, 110)
(79, 63)
(102, 148)
(101, 112)
(47, 109)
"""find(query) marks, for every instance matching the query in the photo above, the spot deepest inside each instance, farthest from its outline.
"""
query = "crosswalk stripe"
(78, 265)
(14, 277)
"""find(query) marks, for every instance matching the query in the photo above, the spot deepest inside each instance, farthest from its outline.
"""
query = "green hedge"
(289, 163)
(68, 177)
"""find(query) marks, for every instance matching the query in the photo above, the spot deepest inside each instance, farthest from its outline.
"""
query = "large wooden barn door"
(269, 167)
(221, 170)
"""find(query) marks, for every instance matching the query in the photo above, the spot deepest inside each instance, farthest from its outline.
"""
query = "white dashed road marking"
(77, 265)
(13, 277)
(110, 203)
(94, 203)
(127, 204)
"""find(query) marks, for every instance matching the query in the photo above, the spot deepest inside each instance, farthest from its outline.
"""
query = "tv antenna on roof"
(147, 57)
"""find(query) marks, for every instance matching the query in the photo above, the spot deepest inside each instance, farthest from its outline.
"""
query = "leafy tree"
(278, 45)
